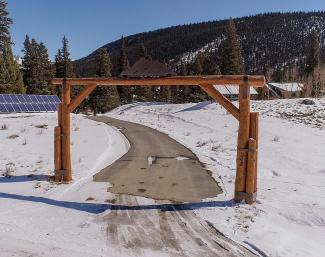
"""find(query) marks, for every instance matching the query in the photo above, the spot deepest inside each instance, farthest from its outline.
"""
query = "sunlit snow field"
(39, 218)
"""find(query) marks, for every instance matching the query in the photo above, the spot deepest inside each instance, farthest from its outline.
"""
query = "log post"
(254, 133)
(58, 146)
(242, 143)
(57, 151)
(66, 155)
(251, 171)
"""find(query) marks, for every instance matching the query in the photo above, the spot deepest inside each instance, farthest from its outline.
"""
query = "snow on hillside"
(189, 57)
(39, 218)
(289, 218)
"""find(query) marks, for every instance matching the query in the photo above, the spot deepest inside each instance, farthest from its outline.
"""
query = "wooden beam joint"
(221, 99)
(80, 97)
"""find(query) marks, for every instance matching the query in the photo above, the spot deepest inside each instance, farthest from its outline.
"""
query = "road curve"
(157, 167)
(153, 232)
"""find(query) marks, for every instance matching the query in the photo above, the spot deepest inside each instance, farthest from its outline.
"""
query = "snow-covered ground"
(289, 219)
(38, 218)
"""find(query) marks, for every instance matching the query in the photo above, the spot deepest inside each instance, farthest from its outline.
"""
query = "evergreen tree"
(183, 69)
(5, 22)
(312, 69)
(231, 54)
(124, 92)
(183, 92)
(11, 80)
(10, 76)
(313, 55)
(36, 67)
(143, 93)
(123, 61)
(195, 94)
(63, 63)
(198, 64)
(210, 66)
(103, 63)
(103, 98)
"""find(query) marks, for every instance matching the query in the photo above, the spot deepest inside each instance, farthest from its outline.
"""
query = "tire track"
(175, 233)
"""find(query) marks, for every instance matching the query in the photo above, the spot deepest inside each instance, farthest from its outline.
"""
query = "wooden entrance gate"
(247, 142)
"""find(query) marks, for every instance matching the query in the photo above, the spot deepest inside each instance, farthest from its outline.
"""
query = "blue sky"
(91, 24)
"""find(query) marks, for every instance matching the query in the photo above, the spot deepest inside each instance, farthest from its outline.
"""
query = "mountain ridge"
(269, 41)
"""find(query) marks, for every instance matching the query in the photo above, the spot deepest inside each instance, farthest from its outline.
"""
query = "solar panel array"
(232, 89)
(28, 103)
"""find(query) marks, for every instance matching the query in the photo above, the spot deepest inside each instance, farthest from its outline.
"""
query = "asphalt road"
(165, 229)
(157, 167)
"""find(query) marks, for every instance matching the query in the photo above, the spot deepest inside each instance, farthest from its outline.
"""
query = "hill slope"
(268, 40)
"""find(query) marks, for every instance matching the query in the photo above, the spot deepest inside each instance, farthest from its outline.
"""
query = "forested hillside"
(271, 40)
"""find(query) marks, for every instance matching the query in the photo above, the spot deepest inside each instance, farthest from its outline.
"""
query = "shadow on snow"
(23, 178)
(95, 208)
(196, 107)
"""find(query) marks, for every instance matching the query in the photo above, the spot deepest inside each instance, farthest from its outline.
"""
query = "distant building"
(147, 68)
(232, 91)
(19, 61)
(284, 90)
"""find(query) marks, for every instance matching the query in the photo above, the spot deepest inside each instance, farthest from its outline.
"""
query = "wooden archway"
(247, 142)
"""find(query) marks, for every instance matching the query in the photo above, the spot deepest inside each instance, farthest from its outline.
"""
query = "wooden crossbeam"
(256, 81)
(221, 99)
(81, 96)
(247, 143)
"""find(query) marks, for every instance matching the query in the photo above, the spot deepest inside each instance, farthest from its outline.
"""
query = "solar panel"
(2, 100)
(10, 103)
(3, 108)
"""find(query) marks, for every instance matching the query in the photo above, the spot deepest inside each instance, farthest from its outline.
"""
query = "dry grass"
(13, 136)
(10, 170)
(112, 201)
(203, 143)
(4, 127)
(276, 139)
(216, 147)
(40, 132)
(42, 126)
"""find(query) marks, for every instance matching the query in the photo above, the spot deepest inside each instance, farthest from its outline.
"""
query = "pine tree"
(63, 63)
(124, 92)
(11, 80)
(313, 65)
(103, 98)
(183, 92)
(5, 22)
(232, 62)
(313, 55)
(143, 52)
(141, 93)
(198, 68)
(36, 67)
(123, 61)
(210, 66)
(10, 76)
(198, 64)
